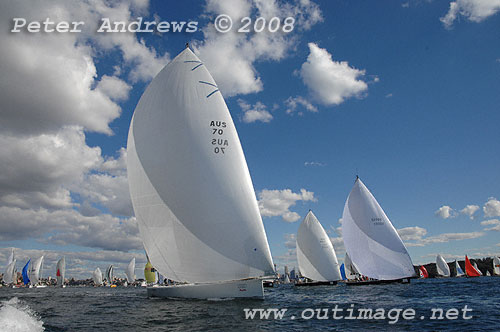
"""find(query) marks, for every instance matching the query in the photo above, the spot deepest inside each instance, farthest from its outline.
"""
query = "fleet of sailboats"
(191, 189)
(315, 254)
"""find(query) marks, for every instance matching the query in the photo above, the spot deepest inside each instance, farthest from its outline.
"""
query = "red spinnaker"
(470, 270)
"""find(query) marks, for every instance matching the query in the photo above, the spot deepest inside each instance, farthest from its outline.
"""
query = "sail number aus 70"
(218, 141)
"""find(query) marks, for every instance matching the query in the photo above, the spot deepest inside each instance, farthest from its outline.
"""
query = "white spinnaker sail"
(61, 271)
(130, 271)
(459, 270)
(189, 182)
(36, 271)
(350, 269)
(8, 276)
(315, 253)
(11, 257)
(97, 276)
(442, 267)
(496, 265)
(371, 240)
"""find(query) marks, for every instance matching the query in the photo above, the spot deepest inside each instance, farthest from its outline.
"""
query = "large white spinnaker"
(315, 253)
(442, 267)
(496, 266)
(61, 271)
(97, 276)
(189, 182)
(371, 240)
(8, 276)
(130, 271)
(36, 271)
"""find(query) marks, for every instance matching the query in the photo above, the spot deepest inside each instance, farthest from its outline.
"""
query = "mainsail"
(189, 182)
(371, 240)
(315, 253)
(351, 272)
(460, 272)
(130, 271)
(8, 276)
(97, 276)
(61, 271)
(442, 267)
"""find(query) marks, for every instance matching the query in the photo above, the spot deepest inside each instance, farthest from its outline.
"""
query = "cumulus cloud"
(231, 56)
(473, 10)
(492, 208)
(331, 82)
(293, 103)
(257, 112)
(494, 223)
(278, 202)
(416, 236)
(470, 210)
(290, 241)
(445, 212)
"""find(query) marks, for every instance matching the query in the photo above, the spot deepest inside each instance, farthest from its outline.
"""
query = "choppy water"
(128, 309)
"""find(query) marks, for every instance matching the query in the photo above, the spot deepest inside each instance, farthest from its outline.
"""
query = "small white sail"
(97, 276)
(459, 270)
(371, 240)
(189, 182)
(315, 253)
(478, 270)
(8, 276)
(350, 269)
(488, 274)
(130, 271)
(442, 267)
(496, 266)
(61, 271)
(11, 257)
(36, 271)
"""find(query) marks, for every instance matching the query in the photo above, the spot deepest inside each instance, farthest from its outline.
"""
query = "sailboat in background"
(478, 270)
(496, 266)
(371, 240)
(9, 276)
(423, 272)
(26, 278)
(191, 189)
(130, 271)
(460, 272)
(61, 272)
(470, 270)
(443, 270)
(315, 254)
(36, 273)
(97, 276)
(351, 272)
(109, 275)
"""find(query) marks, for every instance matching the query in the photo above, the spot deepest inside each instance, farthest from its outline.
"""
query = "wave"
(15, 316)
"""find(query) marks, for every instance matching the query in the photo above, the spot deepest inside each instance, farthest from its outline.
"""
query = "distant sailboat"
(97, 276)
(315, 254)
(109, 275)
(460, 272)
(470, 270)
(442, 267)
(371, 240)
(496, 266)
(488, 274)
(130, 272)
(423, 272)
(61, 271)
(478, 270)
(36, 272)
(8, 276)
(351, 272)
(191, 189)
(26, 278)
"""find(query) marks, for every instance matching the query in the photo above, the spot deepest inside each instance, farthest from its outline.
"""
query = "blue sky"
(403, 93)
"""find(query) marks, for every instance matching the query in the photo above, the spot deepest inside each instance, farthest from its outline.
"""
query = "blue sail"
(342, 272)
(26, 280)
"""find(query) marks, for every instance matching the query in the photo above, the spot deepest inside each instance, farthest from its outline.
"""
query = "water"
(128, 309)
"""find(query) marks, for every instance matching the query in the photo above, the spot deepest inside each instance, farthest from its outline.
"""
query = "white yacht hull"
(247, 288)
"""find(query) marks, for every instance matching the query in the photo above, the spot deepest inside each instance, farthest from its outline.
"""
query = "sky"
(404, 94)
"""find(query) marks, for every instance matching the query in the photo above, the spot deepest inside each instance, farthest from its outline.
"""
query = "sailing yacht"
(471, 270)
(61, 272)
(191, 189)
(130, 271)
(460, 272)
(371, 241)
(36, 273)
(97, 277)
(496, 266)
(315, 254)
(443, 270)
